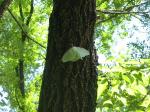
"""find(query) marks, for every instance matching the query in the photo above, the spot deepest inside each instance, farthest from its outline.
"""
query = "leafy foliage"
(33, 54)
(124, 87)
(124, 79)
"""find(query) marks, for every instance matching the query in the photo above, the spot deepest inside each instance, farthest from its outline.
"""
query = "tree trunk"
(71, 86)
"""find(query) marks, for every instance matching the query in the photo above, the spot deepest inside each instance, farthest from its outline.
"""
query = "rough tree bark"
(71, 86)
(4, 6)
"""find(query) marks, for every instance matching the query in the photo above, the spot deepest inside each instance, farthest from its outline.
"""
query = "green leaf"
(138, 76)
(74, 54)
(123, 100)
(130, 91)
(146, 102)
(142, 89)
(104, 81)
(107, 103)
(128, 78)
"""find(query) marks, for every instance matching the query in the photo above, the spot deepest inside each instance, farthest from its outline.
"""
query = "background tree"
(13, 50)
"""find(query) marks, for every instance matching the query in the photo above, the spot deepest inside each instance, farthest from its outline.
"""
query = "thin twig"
(107, 19)
(120, 12)
(115, 13)
(24, 31)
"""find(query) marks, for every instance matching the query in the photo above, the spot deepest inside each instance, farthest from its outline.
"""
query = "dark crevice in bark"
(71, 86)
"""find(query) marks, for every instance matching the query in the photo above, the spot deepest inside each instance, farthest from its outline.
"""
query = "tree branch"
(104, 20)
(20, 10)
(120, 12)
(25, 31)
(4, 6)
(31, 12)
(115, 13)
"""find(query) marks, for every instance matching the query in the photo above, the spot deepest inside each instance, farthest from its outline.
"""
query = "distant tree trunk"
(71, 86)
(22, 47)
(3, 6)
(21, 65)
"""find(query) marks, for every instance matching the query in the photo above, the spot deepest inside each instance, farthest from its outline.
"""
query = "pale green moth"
(74, 54)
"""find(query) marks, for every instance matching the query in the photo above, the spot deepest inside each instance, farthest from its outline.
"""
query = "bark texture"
(71, 86)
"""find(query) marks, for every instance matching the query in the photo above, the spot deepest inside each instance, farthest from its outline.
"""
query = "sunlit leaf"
(107, 103)
(130, 91)
(128, 78)
(146, 101)
(142, 89)
(123, 100)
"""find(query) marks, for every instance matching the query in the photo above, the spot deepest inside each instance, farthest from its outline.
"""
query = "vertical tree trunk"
(21, 73)
(22, 47)
(21, 65)
(71, 86)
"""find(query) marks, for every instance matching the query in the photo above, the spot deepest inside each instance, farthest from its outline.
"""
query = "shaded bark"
(21, 75)
(3, 6)
(71, 86)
